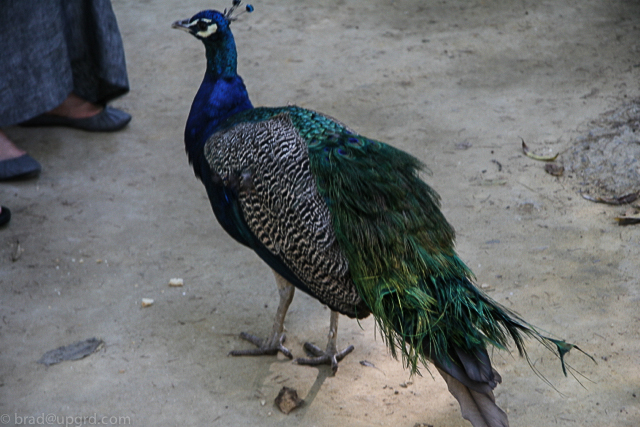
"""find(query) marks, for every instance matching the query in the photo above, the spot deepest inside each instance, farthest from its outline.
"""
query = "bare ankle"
(8, 149)
(76, 108)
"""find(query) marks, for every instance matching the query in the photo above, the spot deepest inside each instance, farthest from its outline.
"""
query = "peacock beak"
(181, 25)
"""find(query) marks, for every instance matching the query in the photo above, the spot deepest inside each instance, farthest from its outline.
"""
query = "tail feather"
(478, 366)
(478, 408)
(403, 262)
(472, 370)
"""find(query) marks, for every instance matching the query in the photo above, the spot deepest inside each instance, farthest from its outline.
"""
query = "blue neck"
(222, 58)
(221, 95)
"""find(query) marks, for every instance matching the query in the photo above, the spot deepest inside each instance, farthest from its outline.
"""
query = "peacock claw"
(329, 357)
(271, 347)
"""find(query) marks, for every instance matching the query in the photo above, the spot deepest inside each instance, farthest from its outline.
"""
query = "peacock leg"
(274, 343)
(331, 356)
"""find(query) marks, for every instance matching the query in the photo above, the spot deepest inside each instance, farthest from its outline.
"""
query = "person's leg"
(8, 150)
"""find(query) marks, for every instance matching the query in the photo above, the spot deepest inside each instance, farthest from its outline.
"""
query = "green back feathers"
(399, 246)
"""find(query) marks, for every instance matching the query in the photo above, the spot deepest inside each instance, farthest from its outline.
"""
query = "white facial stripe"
(210, 30)
(191, 24)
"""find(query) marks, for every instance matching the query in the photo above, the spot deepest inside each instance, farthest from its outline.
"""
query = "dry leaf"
(622, 200)
(632, 216)
(527, 153)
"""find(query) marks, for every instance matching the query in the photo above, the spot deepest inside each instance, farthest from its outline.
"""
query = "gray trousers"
(50, 48)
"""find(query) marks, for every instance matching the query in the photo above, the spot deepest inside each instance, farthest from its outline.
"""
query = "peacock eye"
(202, 26)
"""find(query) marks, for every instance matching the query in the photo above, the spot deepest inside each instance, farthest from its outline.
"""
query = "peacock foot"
(265, 347)
(331, 356)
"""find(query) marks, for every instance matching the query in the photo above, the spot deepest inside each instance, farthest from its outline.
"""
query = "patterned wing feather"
(268, 163)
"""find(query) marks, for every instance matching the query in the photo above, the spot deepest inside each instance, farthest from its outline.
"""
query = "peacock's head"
(210, 23)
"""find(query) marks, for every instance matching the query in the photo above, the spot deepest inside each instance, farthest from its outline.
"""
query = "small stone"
(175, 282)
(146, 302)
(554, 169)
(288, 400)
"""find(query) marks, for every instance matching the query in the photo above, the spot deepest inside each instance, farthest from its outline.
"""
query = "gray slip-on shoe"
(108, 120)
(23, 167)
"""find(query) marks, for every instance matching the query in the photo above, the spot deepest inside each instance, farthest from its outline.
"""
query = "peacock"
(348, 220)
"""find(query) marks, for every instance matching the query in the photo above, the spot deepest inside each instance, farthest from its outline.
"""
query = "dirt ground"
(113, 217)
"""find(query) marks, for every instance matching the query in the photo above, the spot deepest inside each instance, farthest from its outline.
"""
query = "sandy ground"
(114, 216)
